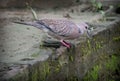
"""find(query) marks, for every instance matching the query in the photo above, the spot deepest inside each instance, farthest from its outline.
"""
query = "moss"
(71, 58)
(34, 76)
(90, 46)
(93, 74)
(111, 66)
(117, 39)
(103, 70)
(71, 54)
(96, 5)
(86, 49)
(98, 45)
(45, 71)
(35, 55)
(39, 71)
(57, 69)
(72, 78)
(112, 63)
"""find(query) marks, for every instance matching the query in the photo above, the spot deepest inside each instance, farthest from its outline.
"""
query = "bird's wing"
(59, 27)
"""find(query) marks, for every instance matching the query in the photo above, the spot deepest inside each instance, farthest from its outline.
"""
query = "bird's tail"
(30, 23)
(36, 24)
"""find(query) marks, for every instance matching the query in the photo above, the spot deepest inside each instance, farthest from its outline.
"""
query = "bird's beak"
(89, 34)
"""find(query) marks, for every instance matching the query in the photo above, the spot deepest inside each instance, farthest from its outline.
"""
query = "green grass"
(103, 71)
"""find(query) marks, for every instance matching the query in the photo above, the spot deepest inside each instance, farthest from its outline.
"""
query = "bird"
(61, 29)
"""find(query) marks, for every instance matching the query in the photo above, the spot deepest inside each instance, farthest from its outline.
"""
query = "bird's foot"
(56, 44)
(65, 44)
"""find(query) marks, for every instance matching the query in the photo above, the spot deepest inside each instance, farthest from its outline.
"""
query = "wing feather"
(59, 27)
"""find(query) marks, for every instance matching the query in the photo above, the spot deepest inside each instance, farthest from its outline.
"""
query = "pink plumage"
(63, 29)
(59, 28)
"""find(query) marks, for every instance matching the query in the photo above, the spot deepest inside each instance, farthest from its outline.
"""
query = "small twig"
(33, 11)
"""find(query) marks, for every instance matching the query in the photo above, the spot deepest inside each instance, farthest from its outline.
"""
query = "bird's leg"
(65, 43)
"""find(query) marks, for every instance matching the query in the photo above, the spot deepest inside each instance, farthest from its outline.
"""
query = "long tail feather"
(24, 23)
(36, 24)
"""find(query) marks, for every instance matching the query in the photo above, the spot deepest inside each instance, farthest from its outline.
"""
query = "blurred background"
(94, 60)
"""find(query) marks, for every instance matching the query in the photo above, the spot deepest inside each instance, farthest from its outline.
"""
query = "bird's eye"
(86, 27)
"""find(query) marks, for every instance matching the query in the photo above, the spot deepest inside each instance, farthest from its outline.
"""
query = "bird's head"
(85, 27)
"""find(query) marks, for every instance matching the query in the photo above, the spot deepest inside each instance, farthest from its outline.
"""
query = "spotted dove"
(60, 29)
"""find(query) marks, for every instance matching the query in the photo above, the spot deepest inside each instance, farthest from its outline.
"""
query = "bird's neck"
(82, 29)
